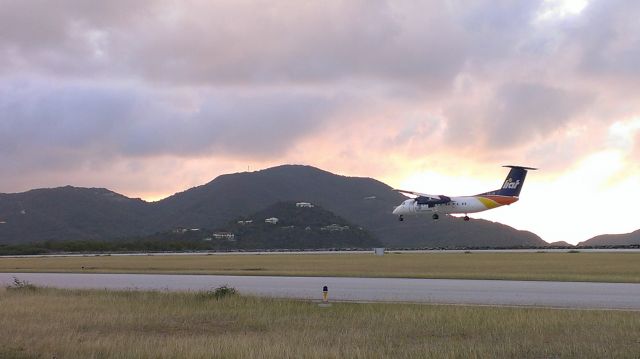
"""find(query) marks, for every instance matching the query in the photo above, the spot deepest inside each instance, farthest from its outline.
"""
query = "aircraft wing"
(430, 196)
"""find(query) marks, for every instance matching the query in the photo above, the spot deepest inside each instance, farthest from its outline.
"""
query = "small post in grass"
(325, 297)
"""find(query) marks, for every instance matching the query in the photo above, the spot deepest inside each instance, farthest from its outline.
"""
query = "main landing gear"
(435, 216)
(466, 218)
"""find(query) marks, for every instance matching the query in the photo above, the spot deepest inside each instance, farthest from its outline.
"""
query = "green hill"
(72, 213)
(297, 228)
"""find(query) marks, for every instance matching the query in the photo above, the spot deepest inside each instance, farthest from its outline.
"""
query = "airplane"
(441, 204)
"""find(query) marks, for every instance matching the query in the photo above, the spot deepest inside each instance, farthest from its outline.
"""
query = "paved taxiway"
(445, 291)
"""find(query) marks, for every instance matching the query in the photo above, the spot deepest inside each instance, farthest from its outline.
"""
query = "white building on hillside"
(272, 220)
(334, 227)
(224, 235)
(304, 205)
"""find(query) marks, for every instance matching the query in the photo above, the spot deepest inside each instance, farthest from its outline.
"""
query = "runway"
(579, 295)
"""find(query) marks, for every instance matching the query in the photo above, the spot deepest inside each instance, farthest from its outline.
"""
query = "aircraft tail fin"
(513, 183)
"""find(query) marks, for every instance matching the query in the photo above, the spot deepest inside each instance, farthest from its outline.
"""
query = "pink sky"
(151, 98)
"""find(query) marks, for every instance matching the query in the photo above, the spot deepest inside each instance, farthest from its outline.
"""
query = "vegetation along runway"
(52, 323)
(594, 267)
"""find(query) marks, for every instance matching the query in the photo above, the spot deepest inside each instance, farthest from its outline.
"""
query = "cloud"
(65, 38)
(200, 42)
(88, 85)
(608, 38)
(520, 112)
(513, 115)
(65, 125)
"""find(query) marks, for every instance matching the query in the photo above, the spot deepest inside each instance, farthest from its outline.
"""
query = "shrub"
(219, 292)
(21, 285)
(224, 291)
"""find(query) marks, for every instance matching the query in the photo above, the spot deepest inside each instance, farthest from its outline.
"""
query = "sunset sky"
(148, 98)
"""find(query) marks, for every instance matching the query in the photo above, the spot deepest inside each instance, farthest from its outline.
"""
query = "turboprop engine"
(432, 201)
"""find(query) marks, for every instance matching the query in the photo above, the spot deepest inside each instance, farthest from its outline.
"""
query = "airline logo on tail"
(510, 184)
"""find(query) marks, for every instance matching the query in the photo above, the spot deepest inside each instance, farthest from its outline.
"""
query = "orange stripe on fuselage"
(496, 201)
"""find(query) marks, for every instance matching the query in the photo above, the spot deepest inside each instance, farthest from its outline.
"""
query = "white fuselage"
(435, 204)
(463, 205)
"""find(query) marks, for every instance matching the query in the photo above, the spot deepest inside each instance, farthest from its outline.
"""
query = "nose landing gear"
(400, 218)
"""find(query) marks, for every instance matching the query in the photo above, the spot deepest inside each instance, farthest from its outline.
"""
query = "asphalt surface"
(579, 295)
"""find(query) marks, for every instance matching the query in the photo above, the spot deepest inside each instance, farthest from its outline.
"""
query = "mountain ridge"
(623, 239)
(97, 213)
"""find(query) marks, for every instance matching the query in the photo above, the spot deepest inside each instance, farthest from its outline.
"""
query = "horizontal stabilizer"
(521, 167)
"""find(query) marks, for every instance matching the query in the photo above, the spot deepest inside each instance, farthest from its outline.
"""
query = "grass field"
(601, 267)
(47, 323)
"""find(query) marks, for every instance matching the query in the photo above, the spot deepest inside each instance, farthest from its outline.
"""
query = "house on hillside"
(224, 235)
(245, 222)
(304, 205)
(334, 227)
(272, 220)
(185, 230)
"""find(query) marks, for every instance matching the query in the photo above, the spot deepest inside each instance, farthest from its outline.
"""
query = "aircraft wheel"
(400, 218)
(435, 216)
(466, 218)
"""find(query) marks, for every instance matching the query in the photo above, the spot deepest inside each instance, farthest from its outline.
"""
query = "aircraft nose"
(396, 210)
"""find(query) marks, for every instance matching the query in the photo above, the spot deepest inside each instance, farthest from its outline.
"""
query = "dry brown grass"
(602, 267)
(42, 323)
